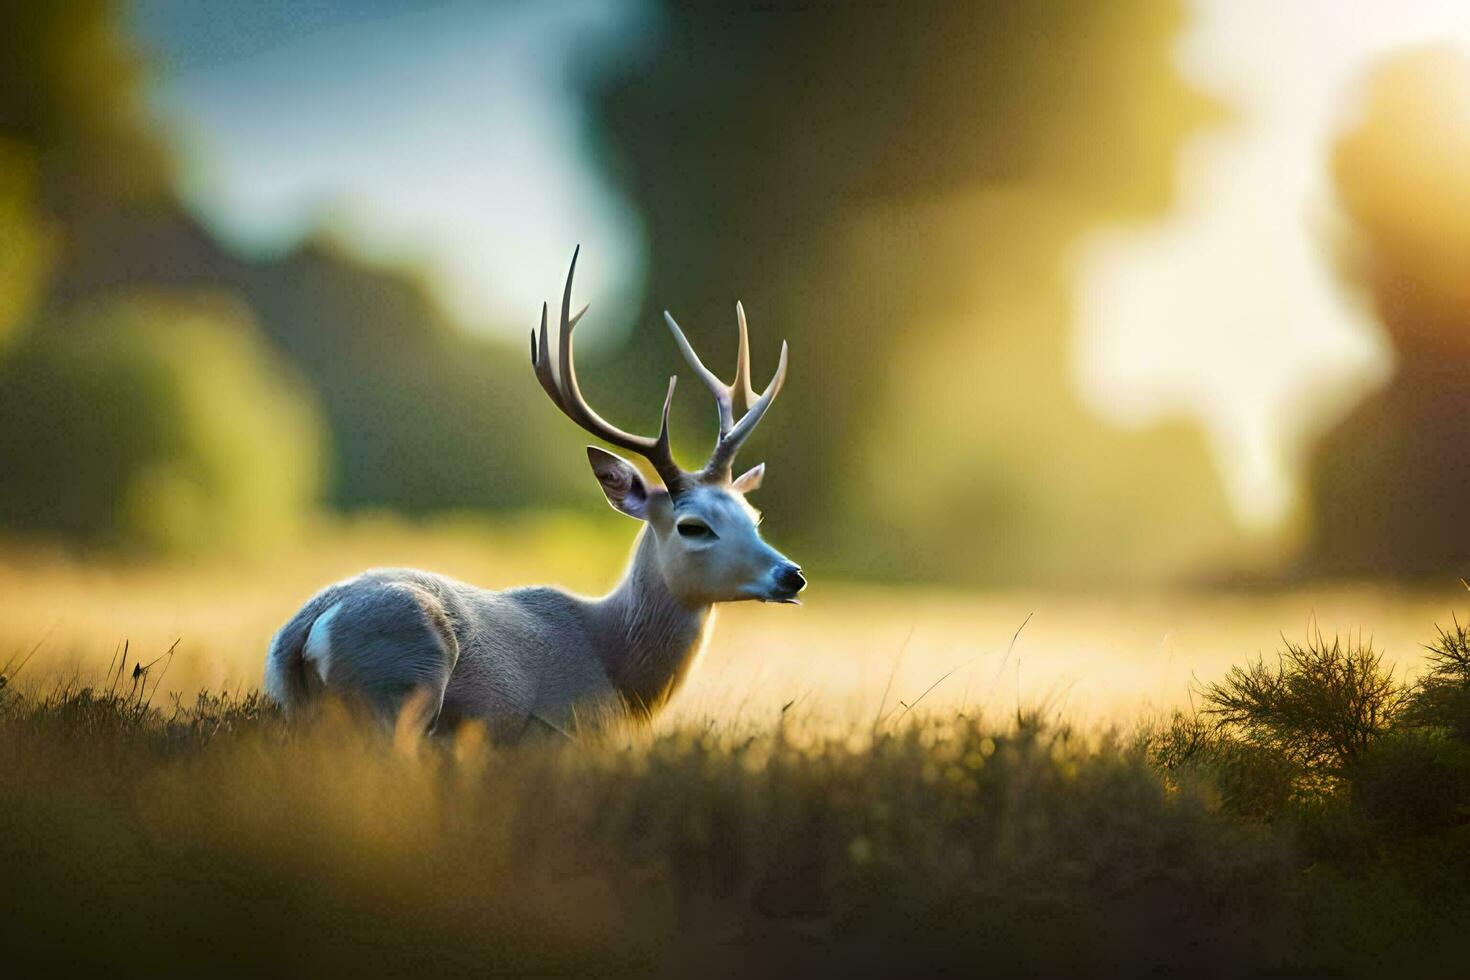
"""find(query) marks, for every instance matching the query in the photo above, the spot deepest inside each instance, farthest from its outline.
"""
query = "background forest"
(901, 193)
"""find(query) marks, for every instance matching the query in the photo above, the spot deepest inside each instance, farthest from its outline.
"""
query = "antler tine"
(561, 385)
(732, 433)
(724, 394)
(724, 455)
(742, 360)
(541, 363)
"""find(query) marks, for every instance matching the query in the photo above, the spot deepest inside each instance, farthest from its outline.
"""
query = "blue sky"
(442, 137)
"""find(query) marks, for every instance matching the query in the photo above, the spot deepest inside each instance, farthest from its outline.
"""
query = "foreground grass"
(212, 836)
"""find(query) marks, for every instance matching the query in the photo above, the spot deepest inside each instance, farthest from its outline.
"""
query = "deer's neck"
(648, 637)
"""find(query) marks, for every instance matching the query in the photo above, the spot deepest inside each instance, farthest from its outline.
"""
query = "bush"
(1415, 781)
(1249, 780)
(155, 424)
(1367, 772)
(1441, 698)
(1319, 707)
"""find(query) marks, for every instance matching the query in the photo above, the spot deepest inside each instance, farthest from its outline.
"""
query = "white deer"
(427, 650)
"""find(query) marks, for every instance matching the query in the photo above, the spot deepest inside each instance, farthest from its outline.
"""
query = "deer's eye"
(694, 530)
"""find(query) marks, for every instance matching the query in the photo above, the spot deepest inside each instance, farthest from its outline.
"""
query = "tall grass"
(209, 835)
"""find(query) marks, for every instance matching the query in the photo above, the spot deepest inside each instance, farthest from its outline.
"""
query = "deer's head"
(707, 537)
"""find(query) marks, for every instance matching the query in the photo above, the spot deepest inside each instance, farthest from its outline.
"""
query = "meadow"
(1072, 293)
(883, 781)
(852, 652)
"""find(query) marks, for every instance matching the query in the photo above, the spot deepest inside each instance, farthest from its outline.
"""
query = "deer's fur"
(414, 644)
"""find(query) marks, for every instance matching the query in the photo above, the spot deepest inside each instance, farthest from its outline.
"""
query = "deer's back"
(530, 649)
(501, 657)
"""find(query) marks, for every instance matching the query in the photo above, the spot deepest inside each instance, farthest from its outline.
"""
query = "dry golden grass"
(845, 786)
(215, 837)
(850, 654)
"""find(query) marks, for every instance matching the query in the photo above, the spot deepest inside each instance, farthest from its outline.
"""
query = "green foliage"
(1319, 707)
(1249, 780)
(1441, 698)
(24, 245)
(1415, 782)
(421, 418)
(154, 423)
(70, 91)
(1417, 779)
(1367, 778)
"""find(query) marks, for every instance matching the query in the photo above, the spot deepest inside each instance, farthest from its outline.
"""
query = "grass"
(1112, 656)
(852, 787)
(210, 835)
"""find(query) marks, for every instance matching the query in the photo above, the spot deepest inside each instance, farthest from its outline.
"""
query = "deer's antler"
(561, 385)
(732, 433)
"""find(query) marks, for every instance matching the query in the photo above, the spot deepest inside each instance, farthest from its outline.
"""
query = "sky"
(440, 136)
(444, 137)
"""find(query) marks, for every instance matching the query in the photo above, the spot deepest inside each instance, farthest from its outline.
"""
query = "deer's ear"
(750, 479)
(622, 484)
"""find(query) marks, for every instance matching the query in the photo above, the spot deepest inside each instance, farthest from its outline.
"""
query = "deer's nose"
(789, 578)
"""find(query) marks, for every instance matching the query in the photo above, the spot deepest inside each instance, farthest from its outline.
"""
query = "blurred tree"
(895, 187)
(69, 88)
(155, 424)
(421, 417)
(1389, 485)
(24, 245)
(424, 416)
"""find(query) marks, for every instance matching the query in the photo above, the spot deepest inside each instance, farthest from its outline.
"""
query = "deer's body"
(517, 659)
(402, 640)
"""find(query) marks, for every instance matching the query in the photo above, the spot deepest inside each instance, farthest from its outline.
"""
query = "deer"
(430, 652)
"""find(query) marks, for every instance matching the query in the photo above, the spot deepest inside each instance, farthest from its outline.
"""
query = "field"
(1103, 657)
(881, 781)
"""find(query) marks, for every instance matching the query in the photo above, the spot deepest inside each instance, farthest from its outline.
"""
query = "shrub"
(1415, 781)
(1441, 698)
(154, 423)
(1319, 707)
(1249, 780)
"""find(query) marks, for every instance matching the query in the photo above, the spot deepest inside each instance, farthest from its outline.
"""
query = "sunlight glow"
(1229, 309)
